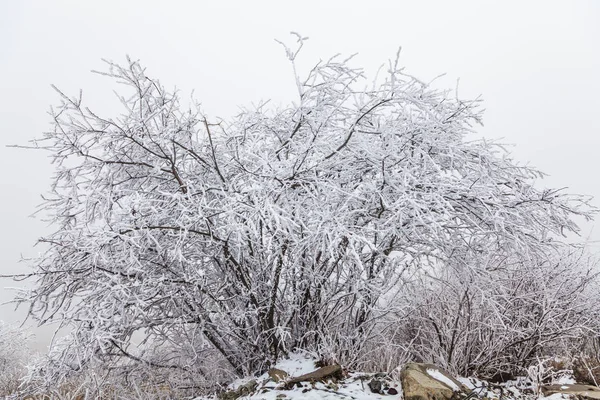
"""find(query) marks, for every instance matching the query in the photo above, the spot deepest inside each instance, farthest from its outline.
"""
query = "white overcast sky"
(535, 63)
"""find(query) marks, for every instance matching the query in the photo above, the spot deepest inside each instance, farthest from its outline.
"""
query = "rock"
(331, 371)
(243, 390)
(392, 391)
(229, 395)
(247, 388)
(588, 391)
(429, 382)
(376, 386)
(277, 375)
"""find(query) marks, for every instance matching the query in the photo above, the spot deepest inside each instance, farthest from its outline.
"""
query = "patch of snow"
(352, 390)
(555, 396)
(436, 374)
(357, 390)
(566, 380)
(564, 387)
(470, 383)
(520, 382)
(239, 382)
(298, 364)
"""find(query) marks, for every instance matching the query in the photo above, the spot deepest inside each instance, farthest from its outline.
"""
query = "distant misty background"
(536, 65)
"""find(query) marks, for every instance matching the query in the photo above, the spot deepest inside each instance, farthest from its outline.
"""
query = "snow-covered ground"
(355, 386)
(350, 389)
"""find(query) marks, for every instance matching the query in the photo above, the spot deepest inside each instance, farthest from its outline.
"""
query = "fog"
(535, 64)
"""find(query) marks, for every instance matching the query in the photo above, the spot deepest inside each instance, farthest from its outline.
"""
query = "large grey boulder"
(429, 382)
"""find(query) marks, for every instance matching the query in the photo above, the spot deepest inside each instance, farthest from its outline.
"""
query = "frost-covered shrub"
(14, 354)
(500, 315)
(295, 227)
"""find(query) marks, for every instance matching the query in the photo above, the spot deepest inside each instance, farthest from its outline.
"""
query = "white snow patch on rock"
(436, 374)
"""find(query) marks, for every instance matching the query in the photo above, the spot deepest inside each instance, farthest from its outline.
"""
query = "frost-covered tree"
(274, 230)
